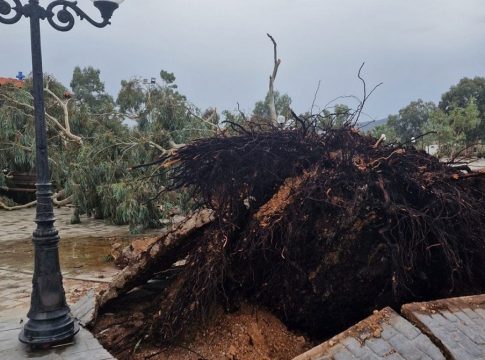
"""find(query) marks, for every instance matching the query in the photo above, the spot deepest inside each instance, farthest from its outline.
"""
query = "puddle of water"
(79, 255)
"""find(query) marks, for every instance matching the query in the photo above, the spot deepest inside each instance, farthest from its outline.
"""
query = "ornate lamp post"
(50, 321)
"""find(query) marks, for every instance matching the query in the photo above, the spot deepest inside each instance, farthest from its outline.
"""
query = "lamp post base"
(49, 332)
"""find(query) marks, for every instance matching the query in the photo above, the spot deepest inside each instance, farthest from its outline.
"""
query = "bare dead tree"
(272, 78)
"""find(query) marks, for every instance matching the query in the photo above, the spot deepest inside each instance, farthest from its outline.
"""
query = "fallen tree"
(321, 226)
(55, 200)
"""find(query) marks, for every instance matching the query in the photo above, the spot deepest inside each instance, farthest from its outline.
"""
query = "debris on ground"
(320, 227)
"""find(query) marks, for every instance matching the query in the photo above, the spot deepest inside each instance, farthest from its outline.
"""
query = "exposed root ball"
(322, 228)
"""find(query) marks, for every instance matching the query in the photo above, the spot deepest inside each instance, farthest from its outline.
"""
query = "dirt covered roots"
(319, 227)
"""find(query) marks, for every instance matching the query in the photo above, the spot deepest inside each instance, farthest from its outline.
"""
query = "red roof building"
(9, 81)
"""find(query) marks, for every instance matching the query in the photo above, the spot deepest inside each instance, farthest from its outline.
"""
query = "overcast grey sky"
(219, 51)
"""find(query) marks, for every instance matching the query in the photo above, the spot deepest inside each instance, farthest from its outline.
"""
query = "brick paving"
(19, 225)
(83, 347)
(83, 250)
(16, 286)
(444, 329)
(383, 335)
(458, 324)
(84, 268)
(14, 292)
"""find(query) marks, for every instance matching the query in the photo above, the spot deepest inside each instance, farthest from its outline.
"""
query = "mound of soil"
(248, 334)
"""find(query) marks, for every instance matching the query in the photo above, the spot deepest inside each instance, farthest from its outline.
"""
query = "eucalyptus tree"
(460, 95)
(17, 142)
(454, 130)
(92, 151)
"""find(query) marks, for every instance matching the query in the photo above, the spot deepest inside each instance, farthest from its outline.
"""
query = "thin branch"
(241, 112)
(236, 125)
(156, 146)
(453, 159)
(300, 121)
(205, 121)
(358, 112)
(315, 97)
(173, 145)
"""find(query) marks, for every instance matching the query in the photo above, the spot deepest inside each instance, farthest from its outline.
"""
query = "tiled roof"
(14, 82)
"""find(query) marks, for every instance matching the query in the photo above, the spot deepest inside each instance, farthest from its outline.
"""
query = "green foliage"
(106, 187)
(168, 77)
(442, 133)
(89, 90)
(336, 116)
(96, 172)
(391, 136)
(465, 121)
(411, 120)
(454, 125)
(455, 129)
(17, 132)
(461, 95)
(282, 105)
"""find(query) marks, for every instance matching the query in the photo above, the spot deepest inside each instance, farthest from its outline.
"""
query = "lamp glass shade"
(107, 7)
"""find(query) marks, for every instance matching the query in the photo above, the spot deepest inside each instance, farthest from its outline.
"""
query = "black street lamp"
(50, 321)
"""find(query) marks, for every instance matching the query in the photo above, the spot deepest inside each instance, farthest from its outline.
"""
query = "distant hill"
(366, 126)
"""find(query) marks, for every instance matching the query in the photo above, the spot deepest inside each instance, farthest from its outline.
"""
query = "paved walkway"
(84, 249)
(19, 225)
(436, 330)
(83, 347)
(84, 252)
(457, 325)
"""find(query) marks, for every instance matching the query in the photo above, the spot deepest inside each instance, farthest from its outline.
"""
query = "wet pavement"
(86, 265)
(84, 252)
(19, 225)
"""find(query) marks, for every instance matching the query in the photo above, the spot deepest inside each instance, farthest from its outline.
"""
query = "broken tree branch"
(63, 105)
(160, 255)
(55, 200)
(215, 127)
(64, 132)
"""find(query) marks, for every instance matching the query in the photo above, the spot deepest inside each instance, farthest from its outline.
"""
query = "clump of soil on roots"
(319, 227)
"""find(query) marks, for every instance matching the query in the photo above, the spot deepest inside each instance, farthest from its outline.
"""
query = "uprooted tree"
(320, 224)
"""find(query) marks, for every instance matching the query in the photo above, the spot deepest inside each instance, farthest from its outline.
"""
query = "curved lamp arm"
(59, 13)
(64, 19)
(6, 9)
